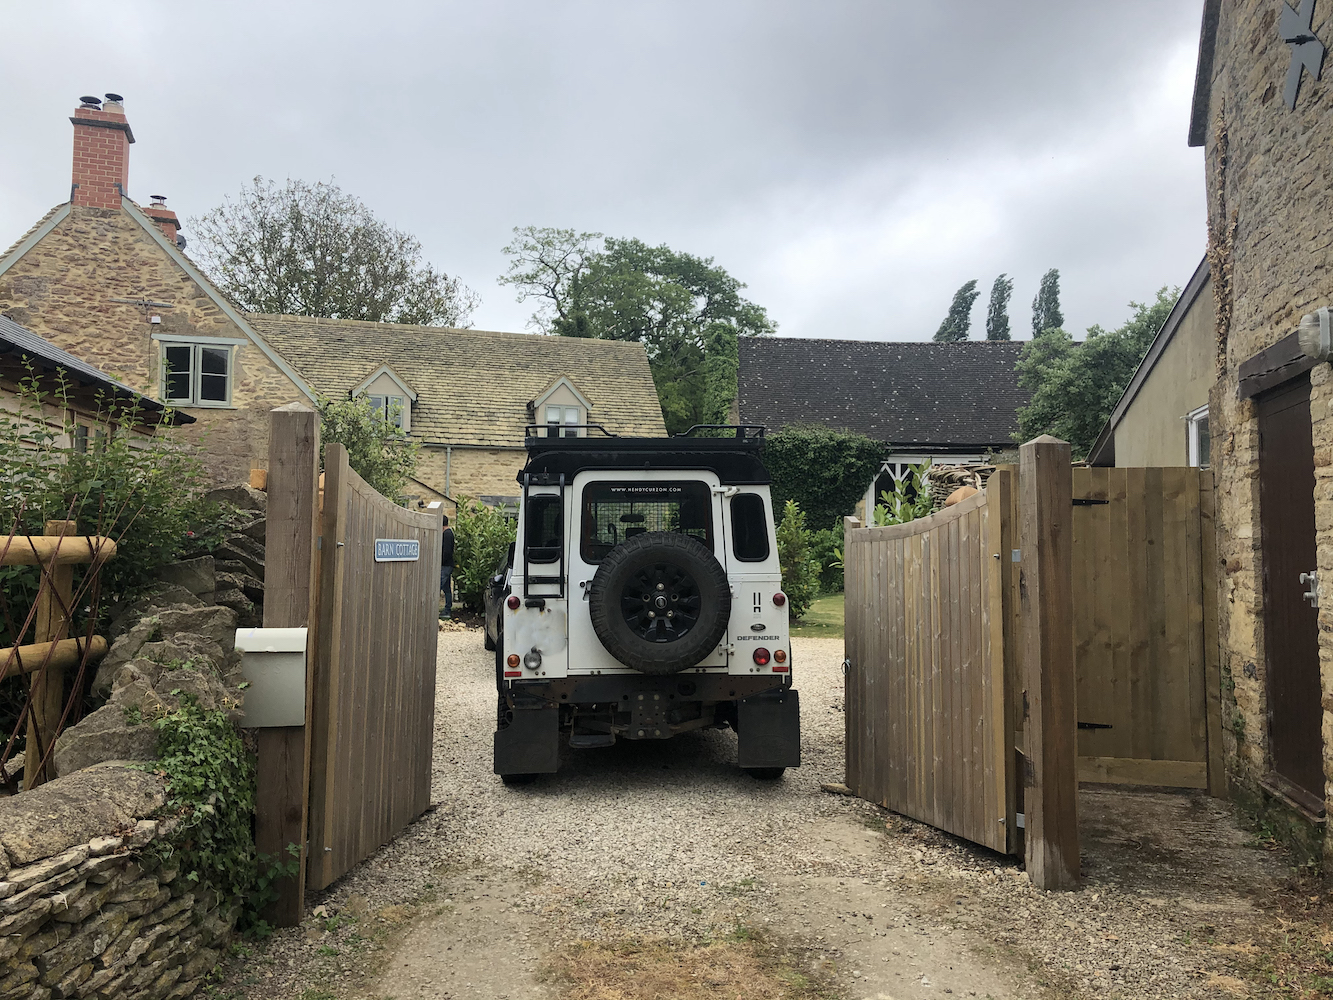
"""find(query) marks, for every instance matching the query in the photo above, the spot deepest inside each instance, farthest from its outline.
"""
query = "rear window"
(613, 512)
(749, 528)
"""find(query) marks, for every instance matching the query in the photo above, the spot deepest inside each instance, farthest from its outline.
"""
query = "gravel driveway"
(670, 840)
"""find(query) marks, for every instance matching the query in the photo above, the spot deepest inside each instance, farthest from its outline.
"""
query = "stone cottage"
(108, 280)
(1265, 120)
(469, 395)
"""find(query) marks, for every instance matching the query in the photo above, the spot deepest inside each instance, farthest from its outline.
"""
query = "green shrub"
(909, 499)
(146, 493)
(481, 536)
(800, 572)
(824, 471)
(826, 550)
(380, 453)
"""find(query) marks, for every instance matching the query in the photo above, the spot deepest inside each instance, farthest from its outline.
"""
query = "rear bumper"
(608, 688)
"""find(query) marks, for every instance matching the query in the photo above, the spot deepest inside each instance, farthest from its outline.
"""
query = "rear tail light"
(534, 659)
(761, 656)
(779, 599)
(512, 660)
(513, 673)
(513, 602)
(780, 656)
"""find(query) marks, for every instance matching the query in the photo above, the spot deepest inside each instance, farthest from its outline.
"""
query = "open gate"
(942, 683)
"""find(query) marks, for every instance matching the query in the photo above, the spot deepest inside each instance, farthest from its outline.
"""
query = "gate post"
(1050, 702)
(282, 797)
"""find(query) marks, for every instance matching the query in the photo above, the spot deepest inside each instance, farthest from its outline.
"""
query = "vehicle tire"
(765, 773)
(660, 602)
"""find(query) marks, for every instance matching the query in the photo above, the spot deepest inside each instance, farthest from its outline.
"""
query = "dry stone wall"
(92, 900)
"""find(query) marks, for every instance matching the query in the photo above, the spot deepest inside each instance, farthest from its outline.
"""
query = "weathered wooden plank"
(1052, 796)
(55, 599)
(1137, 771)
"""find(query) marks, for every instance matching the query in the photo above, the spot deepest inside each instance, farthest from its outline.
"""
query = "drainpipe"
(448, 463)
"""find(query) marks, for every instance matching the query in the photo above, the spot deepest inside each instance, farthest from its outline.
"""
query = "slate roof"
(473, 386)
(962, 395)
(29, 349)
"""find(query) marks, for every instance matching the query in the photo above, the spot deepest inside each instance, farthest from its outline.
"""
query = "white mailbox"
(273, 661)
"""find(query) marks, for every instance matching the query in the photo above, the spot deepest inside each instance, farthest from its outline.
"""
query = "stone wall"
(64, 289)
(473, 472)
(1270, 198)
(90, 903)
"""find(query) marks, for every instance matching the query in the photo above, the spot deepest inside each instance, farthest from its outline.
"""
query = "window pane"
(376, 404)
(213, 363)
(1205, 443)
(544, 530)
(395, 405)
(613, 512)
(178, 373)
(749, 527)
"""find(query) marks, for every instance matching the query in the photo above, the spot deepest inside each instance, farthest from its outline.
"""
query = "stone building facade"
(106, 280)
(1266, 124)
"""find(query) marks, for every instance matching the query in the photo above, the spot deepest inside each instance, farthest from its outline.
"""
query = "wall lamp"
(1315, 334)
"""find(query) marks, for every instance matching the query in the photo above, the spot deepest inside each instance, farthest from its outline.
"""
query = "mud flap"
(529, 743)
(770, 729)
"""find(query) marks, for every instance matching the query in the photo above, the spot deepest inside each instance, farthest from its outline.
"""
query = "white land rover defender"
(645, 600)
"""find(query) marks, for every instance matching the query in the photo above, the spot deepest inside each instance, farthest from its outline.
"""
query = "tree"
(997, 315)
(686, 310)
(379, 452)
(313, 250)
(959, 321)
(1075, 386)
(1046, 314)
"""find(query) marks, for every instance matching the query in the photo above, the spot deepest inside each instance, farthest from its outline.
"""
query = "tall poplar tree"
(997, 316)
(959, 321)
(1046, 314)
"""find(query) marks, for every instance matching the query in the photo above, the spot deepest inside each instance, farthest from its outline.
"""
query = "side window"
(196, 374)
(749, 528)
(543, 533)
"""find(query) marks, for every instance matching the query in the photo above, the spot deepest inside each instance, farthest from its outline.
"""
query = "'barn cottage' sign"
(397, 550)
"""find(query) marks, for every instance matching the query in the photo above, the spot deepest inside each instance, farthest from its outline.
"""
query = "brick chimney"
(164, 217)
(102, 140)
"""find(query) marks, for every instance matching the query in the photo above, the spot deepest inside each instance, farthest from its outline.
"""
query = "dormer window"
(563, 409)
(385, 391)
(389, 408)
(562, 421)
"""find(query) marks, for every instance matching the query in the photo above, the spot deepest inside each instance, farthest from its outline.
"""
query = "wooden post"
(50, 625)
(282, 796)
(1046, 599)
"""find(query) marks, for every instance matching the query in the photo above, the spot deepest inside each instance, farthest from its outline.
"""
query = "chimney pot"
(114, 98)
(90, 102)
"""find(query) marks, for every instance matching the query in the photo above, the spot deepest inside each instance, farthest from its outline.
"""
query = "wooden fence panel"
(926, 725)
(1140, 641)
(374, 683)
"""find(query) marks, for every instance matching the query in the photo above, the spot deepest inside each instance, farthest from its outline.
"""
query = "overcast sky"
(852, 161)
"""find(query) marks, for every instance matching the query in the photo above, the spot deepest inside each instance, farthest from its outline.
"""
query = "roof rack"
(545, 432)
(742, 432)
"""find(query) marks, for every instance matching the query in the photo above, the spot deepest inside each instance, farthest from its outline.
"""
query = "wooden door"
(1291, 626)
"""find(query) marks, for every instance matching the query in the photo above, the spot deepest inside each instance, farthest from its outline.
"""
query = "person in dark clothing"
(447, 569)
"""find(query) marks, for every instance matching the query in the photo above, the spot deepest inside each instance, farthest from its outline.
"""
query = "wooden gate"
(925, 681)
(373, 706)
(942, 680)
(1145, 630)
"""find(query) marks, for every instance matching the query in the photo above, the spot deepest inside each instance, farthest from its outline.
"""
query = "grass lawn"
(823, 620)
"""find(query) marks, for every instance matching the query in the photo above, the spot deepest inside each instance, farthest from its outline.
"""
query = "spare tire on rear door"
(660, 602)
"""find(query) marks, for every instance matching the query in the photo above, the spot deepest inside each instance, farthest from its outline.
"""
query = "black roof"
(962, 395)
(735, 460)
(44, 356)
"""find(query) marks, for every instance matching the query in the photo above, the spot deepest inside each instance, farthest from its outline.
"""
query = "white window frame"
(197, 347)
(382, 405)
(1195, 421)
(567, 417)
